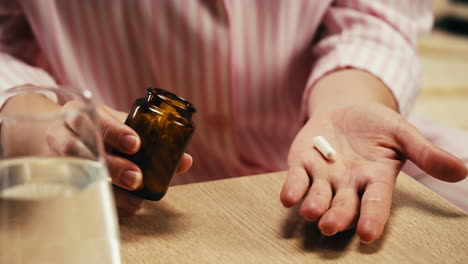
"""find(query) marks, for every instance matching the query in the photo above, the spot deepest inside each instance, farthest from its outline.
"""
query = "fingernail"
(131, 178)
(331, 234)
(130, 143)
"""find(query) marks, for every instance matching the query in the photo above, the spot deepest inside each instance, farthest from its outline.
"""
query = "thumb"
(429, 157)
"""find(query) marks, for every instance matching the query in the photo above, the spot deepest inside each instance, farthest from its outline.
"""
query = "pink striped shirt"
(247, 65)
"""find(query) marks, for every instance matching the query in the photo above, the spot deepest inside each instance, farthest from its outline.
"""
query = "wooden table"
(241, 220)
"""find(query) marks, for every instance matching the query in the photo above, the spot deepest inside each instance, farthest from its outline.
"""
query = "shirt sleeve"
(17, 51)
(14, 72)
(379, 37)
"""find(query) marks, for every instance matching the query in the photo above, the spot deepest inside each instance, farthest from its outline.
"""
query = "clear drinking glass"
(56, 203)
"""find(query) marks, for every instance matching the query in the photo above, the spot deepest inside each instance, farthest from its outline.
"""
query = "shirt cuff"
(399, 70)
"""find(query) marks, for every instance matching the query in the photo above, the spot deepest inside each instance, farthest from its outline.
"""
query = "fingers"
(115, 134)
(342, 214)
(317, 201)
(375, 210)
(124, 173)
(430, 158)
(295, 186)
(64, 142)
(127, 175)
(185, 163)
(127, 204)
(118, 135)
(64, 139)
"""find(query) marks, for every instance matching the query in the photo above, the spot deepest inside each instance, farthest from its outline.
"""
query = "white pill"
(324, 147)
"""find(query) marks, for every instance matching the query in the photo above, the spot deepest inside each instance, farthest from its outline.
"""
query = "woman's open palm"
(372, 142)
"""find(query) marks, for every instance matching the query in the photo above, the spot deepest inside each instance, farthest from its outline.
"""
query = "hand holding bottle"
(117, 137)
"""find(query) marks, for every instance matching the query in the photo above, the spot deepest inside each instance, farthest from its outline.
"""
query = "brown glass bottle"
(163, 122)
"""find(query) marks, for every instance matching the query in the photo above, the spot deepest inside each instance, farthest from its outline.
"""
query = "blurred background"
(444, 59)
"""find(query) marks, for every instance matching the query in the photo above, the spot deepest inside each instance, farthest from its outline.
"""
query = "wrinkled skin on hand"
(372, 143)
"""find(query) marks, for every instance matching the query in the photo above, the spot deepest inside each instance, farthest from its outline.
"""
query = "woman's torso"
(243, 64)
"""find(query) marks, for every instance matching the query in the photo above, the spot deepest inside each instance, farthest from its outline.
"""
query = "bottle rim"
(164, 94)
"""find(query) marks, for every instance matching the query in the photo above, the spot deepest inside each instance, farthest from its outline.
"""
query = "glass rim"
(84, 96)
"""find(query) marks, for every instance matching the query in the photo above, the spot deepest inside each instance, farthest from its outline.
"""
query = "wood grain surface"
(241, 220)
